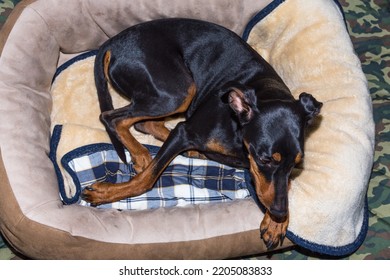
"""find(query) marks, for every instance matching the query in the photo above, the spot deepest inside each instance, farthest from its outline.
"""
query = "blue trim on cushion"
(259, 16)
(73, 60)
(54, 142)
(331, 250)
(341, 10)
(88, 149)
(269, 9)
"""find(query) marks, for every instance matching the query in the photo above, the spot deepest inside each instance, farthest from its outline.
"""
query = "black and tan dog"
(237, 109)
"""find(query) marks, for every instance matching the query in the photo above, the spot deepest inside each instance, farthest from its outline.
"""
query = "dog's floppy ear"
(242, 100)
(310, 105)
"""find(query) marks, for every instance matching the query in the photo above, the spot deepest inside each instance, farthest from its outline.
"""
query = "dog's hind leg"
(119, 124)
(119, 121)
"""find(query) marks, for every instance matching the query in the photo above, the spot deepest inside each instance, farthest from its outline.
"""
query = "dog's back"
(206, 54)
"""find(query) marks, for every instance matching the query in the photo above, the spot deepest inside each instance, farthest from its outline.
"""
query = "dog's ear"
(243, 102)
(310, 105)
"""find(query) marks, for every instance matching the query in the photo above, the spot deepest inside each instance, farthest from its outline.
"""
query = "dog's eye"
(265, 160)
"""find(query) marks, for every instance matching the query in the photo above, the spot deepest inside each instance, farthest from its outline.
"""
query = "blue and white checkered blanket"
(185, 181)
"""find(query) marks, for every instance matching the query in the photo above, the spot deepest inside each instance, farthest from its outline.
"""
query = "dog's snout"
(279, 206)
(279, 211)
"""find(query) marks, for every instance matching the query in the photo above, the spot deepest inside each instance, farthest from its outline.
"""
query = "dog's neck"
(269, 88)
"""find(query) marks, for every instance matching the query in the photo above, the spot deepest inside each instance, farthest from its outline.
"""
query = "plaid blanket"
(185, 181)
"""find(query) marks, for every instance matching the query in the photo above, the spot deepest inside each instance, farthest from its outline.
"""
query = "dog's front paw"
(98, 193)
(272, 232)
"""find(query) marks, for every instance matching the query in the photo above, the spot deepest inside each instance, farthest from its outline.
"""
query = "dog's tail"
(102, 64)
(102, 77)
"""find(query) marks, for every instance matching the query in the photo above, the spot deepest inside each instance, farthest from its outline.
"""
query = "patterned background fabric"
(369, 28)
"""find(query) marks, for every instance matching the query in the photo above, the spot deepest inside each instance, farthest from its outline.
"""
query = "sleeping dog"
(237, 110)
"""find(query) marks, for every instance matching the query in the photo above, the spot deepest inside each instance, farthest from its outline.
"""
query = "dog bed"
(308, 45)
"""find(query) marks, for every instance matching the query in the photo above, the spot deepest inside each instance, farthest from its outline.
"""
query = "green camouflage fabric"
(6, 7)
(369, 27)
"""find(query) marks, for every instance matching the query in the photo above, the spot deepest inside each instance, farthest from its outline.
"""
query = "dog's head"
(273, 134)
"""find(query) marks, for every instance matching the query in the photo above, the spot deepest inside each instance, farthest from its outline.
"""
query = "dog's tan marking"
(155, 128)
(277, 157)
(298, 158)
(264, 189)
(215, 146)
(106, 64)
(187, 101)
(195, 154)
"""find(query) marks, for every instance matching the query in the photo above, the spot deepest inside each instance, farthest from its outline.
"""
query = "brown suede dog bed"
(306, 42)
